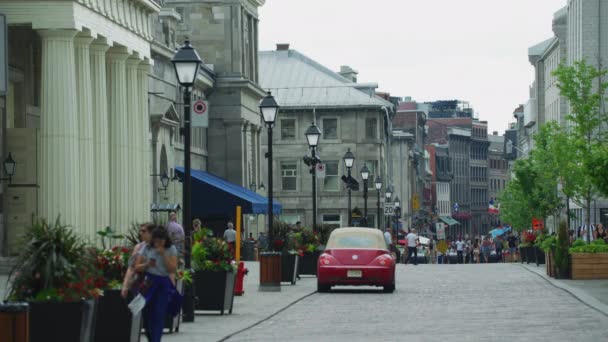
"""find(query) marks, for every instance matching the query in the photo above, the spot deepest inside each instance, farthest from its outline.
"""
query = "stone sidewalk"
(251, 308)
(591, 292)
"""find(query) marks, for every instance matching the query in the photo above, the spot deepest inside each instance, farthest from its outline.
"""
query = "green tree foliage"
(582, 85)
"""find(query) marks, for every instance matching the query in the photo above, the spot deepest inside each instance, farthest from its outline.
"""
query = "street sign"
(389, 209)
(537, 224)
(320, 170)
(200, 114)
(440, 228)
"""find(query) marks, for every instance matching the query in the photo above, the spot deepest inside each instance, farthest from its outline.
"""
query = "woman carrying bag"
(158, 260)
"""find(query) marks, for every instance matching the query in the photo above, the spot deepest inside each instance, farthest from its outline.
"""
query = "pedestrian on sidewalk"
(600, 232)
(498, 247)
(432, 250)
(476, 251)
(176, 233)
(196, 225)
(460, 250)
(512, 242)
(485, 249)
(158, 260)
(131, 276)
(230, 236)
(412, 246)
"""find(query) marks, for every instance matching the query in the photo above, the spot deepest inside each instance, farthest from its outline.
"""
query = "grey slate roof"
(540, 48)
(299, 82)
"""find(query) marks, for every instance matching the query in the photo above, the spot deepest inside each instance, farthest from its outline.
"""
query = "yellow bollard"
(237, 245)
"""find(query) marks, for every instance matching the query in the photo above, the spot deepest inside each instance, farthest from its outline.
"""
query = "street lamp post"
(186, 63)
(378, 184)
(397, 214)
(312, 135)
(349, 160)
(365, 177)
(269, 109)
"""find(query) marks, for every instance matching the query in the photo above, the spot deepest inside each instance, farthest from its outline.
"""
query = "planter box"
(114, 321)
(214, 290)
(14, 322)
(270, 271)
(308, 263)
(589, 265)
(57, 321)
(289, 265)
(539, 256)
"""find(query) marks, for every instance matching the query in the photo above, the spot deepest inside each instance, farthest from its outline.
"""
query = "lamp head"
(364, 172)
(269, 109)
(349, 159)
(312, 135)
(378, 183)
(186, 62)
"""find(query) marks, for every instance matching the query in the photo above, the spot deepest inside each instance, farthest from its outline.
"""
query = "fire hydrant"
(240, 277)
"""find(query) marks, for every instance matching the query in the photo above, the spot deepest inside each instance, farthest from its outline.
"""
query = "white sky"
(472, 50)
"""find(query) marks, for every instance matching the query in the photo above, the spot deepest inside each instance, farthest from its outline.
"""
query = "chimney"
(494, 133)
(283, 47)
(348, 73)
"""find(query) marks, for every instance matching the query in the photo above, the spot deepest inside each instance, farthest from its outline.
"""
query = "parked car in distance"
(356, 256)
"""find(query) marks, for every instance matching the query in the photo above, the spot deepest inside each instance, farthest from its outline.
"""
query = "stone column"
(145, 143)
(119, 143)
(58, 159)
(135, 191)
(85, 129)
(101, 148)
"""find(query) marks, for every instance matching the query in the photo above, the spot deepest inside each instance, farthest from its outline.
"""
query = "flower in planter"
(54, 264)
(211, 254)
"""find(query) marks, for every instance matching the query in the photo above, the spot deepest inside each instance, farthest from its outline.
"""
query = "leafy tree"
(581, 84)
(514, 207)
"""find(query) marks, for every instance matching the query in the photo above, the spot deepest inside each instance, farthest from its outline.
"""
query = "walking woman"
(476, 251)
(485, 249)
(600, 232)
(145, 234)
(158, 260)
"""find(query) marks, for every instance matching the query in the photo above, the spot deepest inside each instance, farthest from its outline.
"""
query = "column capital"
(99, 47)
(117, 55)
(58, 34)
(133, 61)
(83, 40)
(144, 66)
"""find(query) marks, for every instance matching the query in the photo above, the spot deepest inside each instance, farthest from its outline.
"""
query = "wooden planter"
(214, 290)
(539, 256)
(270, 271)
(308, 263)
(114, 321)
(289, 266)
(589, 265)
(62, 321)
(14, 322)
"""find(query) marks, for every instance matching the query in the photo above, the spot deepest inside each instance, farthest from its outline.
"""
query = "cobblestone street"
(495, 302)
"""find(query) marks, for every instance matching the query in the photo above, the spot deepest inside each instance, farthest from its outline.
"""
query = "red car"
(356, 256)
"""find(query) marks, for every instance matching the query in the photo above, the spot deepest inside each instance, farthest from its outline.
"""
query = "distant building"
(499, 173)
(349, 115)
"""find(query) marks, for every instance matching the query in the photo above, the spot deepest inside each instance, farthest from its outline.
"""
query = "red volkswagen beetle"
(356, 256)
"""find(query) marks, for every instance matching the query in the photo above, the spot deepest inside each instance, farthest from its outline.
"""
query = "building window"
(289, 175)
(372, 165)
(331, 181)
(332, 220)
(288, 129)
(371, 128)
(330, 129)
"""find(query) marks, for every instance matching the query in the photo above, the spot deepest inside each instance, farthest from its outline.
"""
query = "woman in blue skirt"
(158, 260)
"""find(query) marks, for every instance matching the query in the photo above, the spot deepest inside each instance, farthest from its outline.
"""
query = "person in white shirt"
(459, 250)
(388, 238)
(412, 244)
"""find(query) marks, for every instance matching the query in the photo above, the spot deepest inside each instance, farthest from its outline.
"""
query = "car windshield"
(356, 238)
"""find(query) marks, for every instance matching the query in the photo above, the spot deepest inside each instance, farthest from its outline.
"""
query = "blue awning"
(215, 196)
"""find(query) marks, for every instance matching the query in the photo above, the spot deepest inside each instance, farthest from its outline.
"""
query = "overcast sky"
(472, 50)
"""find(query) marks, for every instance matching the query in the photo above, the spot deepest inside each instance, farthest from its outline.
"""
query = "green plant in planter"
(210, 253)
(307, 241)
(54, 264)
(597, 246)
(546, 244)
(562, 259)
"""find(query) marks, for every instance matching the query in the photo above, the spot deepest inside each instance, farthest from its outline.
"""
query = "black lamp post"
(388, 194)
(378, 184)
(269, 109)
(365, 177)
(349, 160)
(312, 135)
(9, 168)
(186, 63)
(397, 214)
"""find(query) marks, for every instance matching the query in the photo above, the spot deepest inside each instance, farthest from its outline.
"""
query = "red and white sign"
(200, 114)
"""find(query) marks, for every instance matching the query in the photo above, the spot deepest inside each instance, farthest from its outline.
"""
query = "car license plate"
(354, 273)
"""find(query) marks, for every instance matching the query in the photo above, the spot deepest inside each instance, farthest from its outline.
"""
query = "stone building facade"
(498, 172)
(480, 220)
(76, 114)
(349, 115)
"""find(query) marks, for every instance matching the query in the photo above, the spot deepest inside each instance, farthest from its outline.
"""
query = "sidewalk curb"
(225, 338)
(580, 295)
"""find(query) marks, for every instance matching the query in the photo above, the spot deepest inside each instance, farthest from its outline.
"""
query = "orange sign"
(537, 224)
